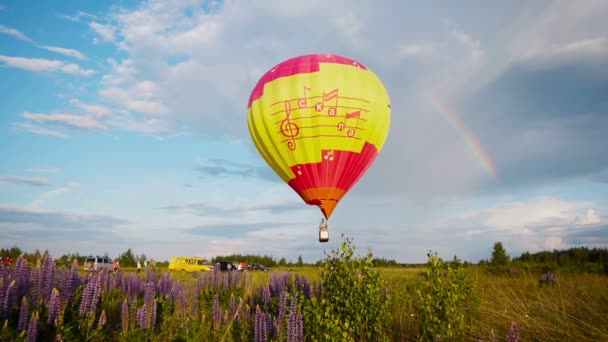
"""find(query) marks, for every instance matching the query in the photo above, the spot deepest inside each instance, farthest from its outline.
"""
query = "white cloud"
(97, 111)
(44, 170)
(31, 64)
(14, 32)
(78, 16)
(24, 180)
(106, 32)
(590, 217)
(35, 204)
(472, 44)
(417, 50)
(141, 97)
(39, 130)
(67, 52)
(42, 65)
(70, 120)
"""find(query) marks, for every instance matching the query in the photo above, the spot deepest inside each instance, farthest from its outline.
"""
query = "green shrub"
(445, 300)
(352, 304)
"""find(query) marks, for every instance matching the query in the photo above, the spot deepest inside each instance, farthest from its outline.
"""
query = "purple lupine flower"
(23, 313)
(74, 277)
(9, 299)
(54, 307)
(165, 284)
(513, 334)
(266, 295)
(49, 270)
(35, 287)
(153, 314)
(260, 329)
(217, 311)
(149, 292)
(125, 316)
(2, 295)
(303, 285)
(247, 313)
(141, 317)
(282, 309)
(32, 329)
(102, 318)
(22, 276)
(225, 280)
(295, 326)
(88, 297)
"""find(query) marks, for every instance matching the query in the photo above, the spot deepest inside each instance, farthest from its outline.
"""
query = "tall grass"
(44, 302)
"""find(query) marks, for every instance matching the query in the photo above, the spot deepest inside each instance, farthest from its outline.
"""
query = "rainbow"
(472, 142)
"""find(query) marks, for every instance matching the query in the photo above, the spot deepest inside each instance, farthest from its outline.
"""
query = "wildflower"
(32, 330)
(102, 318)
(260, 328)
(295, 327)
(23, 311)
(513, 334)
(54, 307)
(125, 316)
(217, 312)
(282, 307)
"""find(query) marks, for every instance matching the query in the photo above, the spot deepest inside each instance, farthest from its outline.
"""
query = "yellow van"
(189, 264)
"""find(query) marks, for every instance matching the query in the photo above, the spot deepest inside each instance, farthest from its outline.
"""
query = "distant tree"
(282, 262)
(300, 261)
(127, 259)
(499, 255)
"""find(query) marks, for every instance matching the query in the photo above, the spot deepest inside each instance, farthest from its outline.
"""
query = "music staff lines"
(319, 97)
(313, 107)
(345, 116)
(317, 136)
(330, 126)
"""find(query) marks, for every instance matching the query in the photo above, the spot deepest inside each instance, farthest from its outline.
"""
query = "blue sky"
(124, 126)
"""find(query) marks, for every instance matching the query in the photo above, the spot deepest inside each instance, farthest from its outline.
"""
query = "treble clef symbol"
(288, 128)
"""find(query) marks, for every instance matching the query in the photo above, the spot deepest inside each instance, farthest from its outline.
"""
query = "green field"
(344, 298)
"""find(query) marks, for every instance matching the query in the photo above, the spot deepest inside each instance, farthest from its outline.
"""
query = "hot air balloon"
(319, 121)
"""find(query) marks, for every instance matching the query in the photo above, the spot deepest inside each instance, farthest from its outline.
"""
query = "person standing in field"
(138, 266)
(115, 265)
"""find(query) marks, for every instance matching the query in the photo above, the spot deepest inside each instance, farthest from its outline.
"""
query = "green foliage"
(300, 261)
(352, 304)
(576, 259)
(127, 259)
(445, 299)
(499, 255)
(283, 262)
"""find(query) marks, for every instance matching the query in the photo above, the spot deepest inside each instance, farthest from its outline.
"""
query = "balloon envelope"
(319, 121)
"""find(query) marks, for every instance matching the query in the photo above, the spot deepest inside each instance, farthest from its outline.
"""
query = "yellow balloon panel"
(305, 117)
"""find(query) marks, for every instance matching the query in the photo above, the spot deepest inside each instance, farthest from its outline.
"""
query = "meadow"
(345, 298)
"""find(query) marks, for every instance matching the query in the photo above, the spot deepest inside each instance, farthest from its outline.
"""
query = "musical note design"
(332, 111)
(289, 129)
(302, 102)
(317, 113)
(329, 155)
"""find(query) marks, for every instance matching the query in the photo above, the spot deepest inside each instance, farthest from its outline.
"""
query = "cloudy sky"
(125, 126)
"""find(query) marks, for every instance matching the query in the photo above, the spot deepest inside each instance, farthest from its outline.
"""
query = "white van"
(100, 262)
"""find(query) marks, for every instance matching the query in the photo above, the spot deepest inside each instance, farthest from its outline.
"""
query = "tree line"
(576, 259)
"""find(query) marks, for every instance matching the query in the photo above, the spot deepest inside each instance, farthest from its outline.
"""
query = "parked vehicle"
(258, 267)
(227, 265)
(96, 263)
(190, 264)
